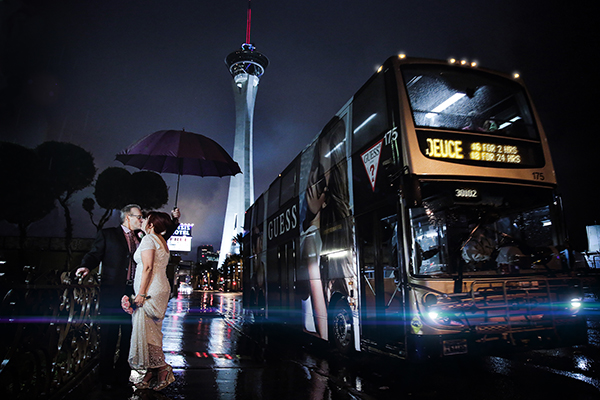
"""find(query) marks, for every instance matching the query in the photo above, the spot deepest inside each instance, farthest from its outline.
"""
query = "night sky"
(103, 74)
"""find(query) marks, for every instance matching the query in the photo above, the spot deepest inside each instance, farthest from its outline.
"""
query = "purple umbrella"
(181, 153)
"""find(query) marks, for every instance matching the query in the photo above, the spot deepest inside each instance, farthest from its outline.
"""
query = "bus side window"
(273, 199)
(259, 211)
(369, 113)
(288, 185)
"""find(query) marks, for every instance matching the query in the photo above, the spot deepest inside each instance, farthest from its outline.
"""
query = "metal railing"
(49, 337)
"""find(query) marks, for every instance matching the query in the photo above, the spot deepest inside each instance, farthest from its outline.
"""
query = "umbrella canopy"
(181, 153)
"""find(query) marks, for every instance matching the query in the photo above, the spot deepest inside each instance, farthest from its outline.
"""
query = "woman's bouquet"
(127, 304)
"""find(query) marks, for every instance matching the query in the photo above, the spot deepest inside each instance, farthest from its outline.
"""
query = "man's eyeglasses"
(140, 217)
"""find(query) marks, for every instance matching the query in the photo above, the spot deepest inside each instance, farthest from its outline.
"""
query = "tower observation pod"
(246, 67)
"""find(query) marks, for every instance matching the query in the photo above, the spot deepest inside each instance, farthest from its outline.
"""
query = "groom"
(114, 248)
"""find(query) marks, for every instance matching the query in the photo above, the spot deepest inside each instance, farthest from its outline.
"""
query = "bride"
(152, 290)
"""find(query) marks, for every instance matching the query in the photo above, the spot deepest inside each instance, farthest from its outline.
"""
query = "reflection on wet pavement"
(218, 352)
(208, 340)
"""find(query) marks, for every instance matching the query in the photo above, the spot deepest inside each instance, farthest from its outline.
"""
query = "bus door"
(286, 265)
(381, 295)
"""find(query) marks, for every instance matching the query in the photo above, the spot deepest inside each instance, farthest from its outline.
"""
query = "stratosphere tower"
(246, 67)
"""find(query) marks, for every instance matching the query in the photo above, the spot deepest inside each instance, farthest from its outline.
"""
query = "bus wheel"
(340, 331)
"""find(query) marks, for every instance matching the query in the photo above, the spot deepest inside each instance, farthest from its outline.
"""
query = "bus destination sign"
(440, 148)
(470, 149)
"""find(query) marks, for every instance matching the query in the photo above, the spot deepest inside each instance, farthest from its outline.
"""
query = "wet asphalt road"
(218, 352)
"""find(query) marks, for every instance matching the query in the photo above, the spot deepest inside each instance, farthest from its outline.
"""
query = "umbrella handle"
(177, 191)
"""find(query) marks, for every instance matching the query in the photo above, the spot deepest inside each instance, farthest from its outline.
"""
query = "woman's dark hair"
(160, 220)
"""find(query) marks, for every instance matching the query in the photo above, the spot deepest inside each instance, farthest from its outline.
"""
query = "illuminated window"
(447, 97)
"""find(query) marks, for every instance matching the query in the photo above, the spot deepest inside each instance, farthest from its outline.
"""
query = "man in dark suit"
(113, 248)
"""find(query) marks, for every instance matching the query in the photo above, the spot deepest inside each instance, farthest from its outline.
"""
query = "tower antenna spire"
(248, 21)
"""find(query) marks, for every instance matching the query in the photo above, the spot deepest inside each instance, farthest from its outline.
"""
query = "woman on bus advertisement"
(325, 228)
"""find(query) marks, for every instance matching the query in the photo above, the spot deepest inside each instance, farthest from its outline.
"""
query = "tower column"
(246, 67)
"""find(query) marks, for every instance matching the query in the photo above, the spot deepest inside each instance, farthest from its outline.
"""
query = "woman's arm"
(147, 265)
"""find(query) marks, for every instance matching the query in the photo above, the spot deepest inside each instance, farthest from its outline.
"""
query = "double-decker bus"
(421, 222)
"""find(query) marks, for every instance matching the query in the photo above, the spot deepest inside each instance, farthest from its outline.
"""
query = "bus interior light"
(447, 103)
(510, 122)
(576, 303)
(337, 146)
(365, 122)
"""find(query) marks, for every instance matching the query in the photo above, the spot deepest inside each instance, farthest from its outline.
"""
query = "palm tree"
(239, 239)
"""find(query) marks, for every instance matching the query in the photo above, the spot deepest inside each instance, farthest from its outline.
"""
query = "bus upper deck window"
(369, 113)
(468, 100)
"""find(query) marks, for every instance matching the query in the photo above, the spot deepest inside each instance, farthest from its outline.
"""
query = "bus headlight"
(438, 312)
(576, 303)
(446, 320)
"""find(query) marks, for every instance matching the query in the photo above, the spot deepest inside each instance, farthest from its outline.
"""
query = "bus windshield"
(483, 229)
(450, 97)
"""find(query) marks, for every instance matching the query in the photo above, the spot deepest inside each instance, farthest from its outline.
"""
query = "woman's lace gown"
(146, 337)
